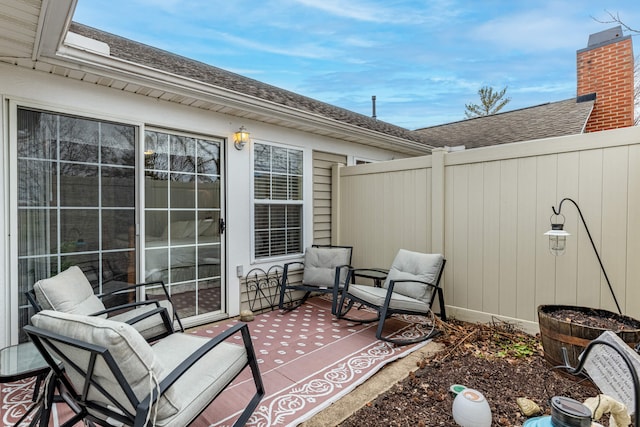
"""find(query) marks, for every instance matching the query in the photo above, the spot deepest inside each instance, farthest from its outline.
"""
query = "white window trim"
(307, 213)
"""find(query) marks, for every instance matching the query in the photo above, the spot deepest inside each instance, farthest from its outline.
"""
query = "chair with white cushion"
(411, 286)
(112, 376)
(325, 270)
(69, 291)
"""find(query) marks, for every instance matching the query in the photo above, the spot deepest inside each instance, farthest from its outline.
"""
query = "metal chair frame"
(168, 322)
(335, 290)
(384, 311)
(48, 343)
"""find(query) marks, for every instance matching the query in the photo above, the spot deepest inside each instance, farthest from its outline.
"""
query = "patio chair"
(325, 270)
(112, 376)
(410, 287)
(69, 291)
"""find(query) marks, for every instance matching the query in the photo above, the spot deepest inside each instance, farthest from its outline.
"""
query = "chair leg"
(295, 305)
(336, 299)
(397, 341)
(443, 311)
(283, 288)
(341, 314)
(257, 379)
(340, 309)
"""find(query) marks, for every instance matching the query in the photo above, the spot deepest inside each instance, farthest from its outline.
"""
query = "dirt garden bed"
(496, 359)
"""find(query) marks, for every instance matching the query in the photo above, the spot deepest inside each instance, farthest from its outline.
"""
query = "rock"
(247, 316)
(528, 406)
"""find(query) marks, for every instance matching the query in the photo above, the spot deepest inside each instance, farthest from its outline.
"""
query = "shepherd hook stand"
(592, 244)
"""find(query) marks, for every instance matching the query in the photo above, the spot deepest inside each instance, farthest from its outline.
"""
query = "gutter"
(90, 60)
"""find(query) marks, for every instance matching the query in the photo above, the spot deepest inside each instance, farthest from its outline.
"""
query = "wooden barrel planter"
(557, 332)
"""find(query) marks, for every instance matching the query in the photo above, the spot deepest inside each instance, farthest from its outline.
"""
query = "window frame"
(285, 202)
(14, 105)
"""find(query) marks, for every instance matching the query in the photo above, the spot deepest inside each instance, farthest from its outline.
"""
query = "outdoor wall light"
(240, 138)
(558, 237)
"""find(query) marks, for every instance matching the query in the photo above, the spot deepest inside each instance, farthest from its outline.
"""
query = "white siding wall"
(497, 206)
(32, 88)
(322, 195)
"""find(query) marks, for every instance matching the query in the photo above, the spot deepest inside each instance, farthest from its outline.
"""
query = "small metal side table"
(376, 274)
(23, 361)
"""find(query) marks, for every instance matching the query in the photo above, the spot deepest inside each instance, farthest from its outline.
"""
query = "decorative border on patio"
(308, 360)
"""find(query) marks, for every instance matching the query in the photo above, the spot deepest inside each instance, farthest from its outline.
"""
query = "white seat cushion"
(133, 355)
(68, 291)
(320, 266)
(415, 266)
(376, 296)
(204, 380)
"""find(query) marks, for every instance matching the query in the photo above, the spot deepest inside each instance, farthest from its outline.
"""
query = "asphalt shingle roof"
(158, 59)
(553, 119)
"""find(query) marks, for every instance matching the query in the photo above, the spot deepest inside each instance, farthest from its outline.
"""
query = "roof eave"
(238, 104)
(53, 25)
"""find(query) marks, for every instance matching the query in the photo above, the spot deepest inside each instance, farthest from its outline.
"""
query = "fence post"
(437, 199)
(335, 203)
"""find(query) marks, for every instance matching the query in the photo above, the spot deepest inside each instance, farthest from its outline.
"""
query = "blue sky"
(423, 60)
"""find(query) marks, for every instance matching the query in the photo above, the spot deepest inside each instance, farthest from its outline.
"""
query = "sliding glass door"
(78, 194)
(183, 221)
(76, 200)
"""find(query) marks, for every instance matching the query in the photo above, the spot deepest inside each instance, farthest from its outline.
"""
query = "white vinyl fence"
(487, 210)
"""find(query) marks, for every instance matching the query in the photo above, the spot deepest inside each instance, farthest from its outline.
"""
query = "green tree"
(490, 102)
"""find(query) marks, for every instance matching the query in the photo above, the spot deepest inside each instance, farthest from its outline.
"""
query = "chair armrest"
(339, 271)
(162, 311)
(286, 266)
(184, 366)
(158, 310)
(392, 283)
(134, 287)
(126, 306)
(285, 271)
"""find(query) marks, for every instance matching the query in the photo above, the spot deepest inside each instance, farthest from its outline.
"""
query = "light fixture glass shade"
(240, 138)
(557, 239)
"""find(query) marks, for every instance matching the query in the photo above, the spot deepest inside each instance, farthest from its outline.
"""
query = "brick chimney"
(605, 68)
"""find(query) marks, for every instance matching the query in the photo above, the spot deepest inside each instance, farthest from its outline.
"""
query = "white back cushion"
(68, 291)
(415, 266)
(132, 354)
(320, 265)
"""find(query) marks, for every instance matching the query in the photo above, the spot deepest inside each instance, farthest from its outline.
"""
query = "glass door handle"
(221, 226)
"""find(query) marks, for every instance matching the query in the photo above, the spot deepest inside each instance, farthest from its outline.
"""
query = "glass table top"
(21, 361)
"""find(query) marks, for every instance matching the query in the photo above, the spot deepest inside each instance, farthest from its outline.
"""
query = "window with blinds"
(278, 200)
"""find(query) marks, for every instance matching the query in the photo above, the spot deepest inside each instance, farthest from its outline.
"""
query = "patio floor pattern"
(307, 358)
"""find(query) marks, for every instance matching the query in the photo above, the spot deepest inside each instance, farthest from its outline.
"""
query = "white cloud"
(398, 12)
(360, 11)
(301, 50)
